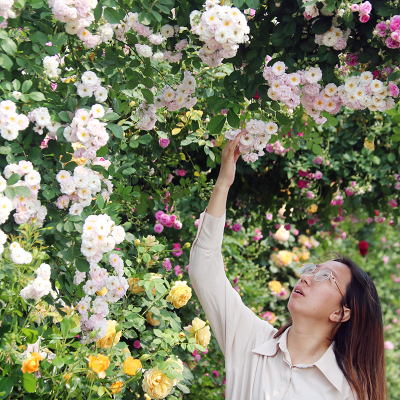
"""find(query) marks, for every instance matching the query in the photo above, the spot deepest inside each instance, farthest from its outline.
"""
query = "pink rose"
(318, 175)
(158, 228)
(365, 8)
(354, 7)
(163, 142)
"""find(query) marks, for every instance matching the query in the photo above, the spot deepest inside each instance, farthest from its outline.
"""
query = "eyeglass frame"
(314, 273)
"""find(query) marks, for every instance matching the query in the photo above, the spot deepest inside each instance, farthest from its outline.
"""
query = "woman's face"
(320, 299)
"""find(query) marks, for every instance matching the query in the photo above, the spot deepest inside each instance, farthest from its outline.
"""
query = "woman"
(333, 347)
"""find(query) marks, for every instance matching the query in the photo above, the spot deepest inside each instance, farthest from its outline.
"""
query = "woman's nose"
(307, 279)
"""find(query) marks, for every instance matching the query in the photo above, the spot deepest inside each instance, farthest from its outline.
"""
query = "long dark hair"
(359, 343)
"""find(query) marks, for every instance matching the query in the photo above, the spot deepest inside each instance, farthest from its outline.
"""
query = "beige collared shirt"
(258, 367)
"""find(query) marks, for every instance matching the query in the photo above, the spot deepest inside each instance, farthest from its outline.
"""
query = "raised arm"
(235, 326)
(230, 154)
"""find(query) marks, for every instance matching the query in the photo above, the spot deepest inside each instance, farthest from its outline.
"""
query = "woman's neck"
(307, 344)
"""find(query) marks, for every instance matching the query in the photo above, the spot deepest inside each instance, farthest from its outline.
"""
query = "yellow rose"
(285, 257)
(152, 321)
(137, 242)
(116, 387)
(150, 241)
(102, 292)
(31, 364)
(305, 255)
(199, 331)
(99, 364)
(131, 366)
(180, 294)
(275, 286)
(281, 235)
(312, 209)
(303, 239)
(369, 145)
(66, 378)
(156, 384)
(110, 338)
(135, 288)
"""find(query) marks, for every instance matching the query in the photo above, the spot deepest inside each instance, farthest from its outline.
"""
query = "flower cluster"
(361, 92)
(90, 84)
(256, 138)
(108, 288)
(80, 187)
(100, 235)
(11, 122)
(277, 148)
(27, 208)
(6, 11)
(77, 14)
(389, 31)
(51, 64)
(42, 119)
(222, 29)
(334, 37)
(173, 99)
(364, 9)
(87, 130)
(166, 220)
(41, 285)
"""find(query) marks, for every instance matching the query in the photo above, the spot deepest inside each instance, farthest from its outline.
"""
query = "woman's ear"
(335, 316)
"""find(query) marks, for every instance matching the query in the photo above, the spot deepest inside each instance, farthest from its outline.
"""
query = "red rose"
(256, 96)
(363, 247)
(376, 212)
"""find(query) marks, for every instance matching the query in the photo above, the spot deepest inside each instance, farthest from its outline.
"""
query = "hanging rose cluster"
(222, 29)
(389, 31)
(11, 122)
(253, 143)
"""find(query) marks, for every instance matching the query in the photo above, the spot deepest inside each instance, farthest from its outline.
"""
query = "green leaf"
(238, 3)
(9, 192)
(391, 157)
(26, 86)
(253, 4)
(98, 11)
(148, 95)
(22, 191)
(6, 62)
(157, 15)
(116, 130)
(64, 116)
(111, 15)
(9, 46)
(283, 119)
(37, 96)
(82, 265)
(64, 326)
(394, 76)
(316, 148)
(102, 151)
(13, 179)
(58, 362)
(321, 26)
(29, 382)
(59, 39)
(145, 139)
(100, 201)
(233, 119)
(6, 385)
(395, 137)
(216, 124)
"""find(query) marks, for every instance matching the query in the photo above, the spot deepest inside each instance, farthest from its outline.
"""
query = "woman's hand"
(230, 155)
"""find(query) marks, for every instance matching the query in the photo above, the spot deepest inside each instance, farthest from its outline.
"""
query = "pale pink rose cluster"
(302, 87)
(40, 286)
(80, 188)
(10, 121)
(77, 14)
(389, 31)
(28, 209)
(222, 29)
(166, 220)
(91, 85)
(87, 130)
(253, 143)
(364, 9)
(334, 37)
(6, 11)
(173, 99)
(42, 119)
(131, 22)
(19, 255)
(94, 312)
(277, 148)
(361, 92)
(99, 236)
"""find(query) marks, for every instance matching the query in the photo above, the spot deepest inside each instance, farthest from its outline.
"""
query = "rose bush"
(112, 119)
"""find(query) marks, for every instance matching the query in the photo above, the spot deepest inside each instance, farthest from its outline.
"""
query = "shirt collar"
(327, 364)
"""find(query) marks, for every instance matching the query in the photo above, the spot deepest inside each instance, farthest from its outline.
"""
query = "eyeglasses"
(319, 276)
